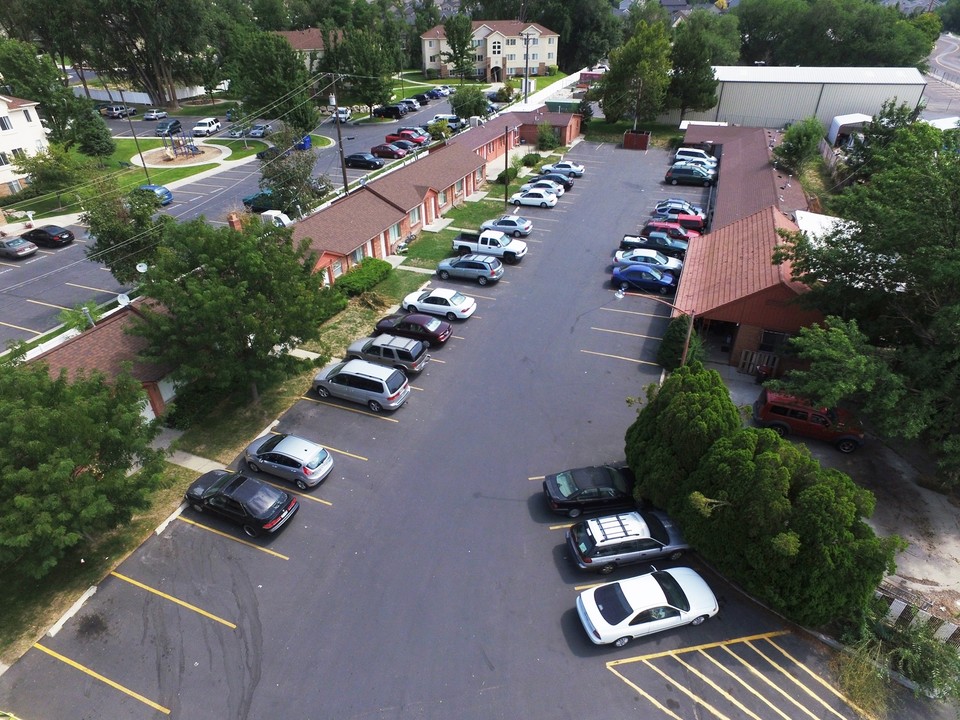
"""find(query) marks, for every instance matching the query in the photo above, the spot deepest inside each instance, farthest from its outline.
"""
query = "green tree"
(289, 177)
(588, 30)
(60, 489)
(949, 14)
(459, 32)
(94, 139)
(720, 35)
(800, 145)
(636, 83)
(125, 229)
(677, 335)
(877, 134)
(692, 83)
(766, 27)
(678, 424)
(266, 74)
(53, 170)
(371, 65)
(469, 101)
(426, 15)
(235, 304)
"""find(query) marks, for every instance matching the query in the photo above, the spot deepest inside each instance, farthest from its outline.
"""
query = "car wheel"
(673, 182)
(517, 203)
(698, 620)
(374, 406)
(322, 391)
(780, 430)
(620, 642)
(543, 204)
(411, 308)
(251, 531)
(706, 183)
(847, 445)
(197, 507)
(253, 467)
(517, 233)
(607, 569)
(426, 343)
(301, 485)
(575, 512)
(675, 555)
(444, 275)
(624, 286)
(451, 316)
(663, 291)
(482, 280)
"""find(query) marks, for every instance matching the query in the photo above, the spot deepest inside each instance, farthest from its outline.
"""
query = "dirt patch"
(165, 156)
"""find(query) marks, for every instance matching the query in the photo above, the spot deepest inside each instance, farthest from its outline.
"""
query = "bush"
(552, 69)
(671, 346)
(363, 277)
(506, 176)
(504, 94)
(531, 160)
(546, 137)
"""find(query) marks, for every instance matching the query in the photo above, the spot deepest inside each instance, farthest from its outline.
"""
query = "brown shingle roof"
(348, 223)
(507, 28)
(14, 103)
(105, 348)
(441, 168)
(303, 40)
(733, 263)
(479, 136)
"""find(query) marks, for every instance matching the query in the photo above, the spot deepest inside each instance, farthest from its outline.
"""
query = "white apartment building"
(21, 133)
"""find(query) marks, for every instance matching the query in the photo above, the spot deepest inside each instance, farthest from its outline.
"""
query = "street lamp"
(691, 313)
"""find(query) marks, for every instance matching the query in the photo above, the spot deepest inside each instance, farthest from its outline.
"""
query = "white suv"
(687, 154)
(207, 126)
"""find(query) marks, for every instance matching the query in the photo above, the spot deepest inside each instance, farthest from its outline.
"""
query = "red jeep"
(785, 414)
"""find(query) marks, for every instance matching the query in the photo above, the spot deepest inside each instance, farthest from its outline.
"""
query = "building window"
(773, 342)
(357, 255)
(549, 56)
(550, 41)
(495, 47)
(18, 153)
(533, 56)
(394, 233)
(4, 160)
(478, 58)
(534, 41)
(429, 43)
(511, 41)
(337, 268)
(476, 43)
(14, 186)
(41, 146)
(442, 198)
(433, 58)
(511, 57)
(27, 115)
(459, 187)
(415, 216)
(5, 123)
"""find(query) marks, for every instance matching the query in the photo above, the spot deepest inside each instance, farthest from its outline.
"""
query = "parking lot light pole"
(134, 133)
(691, 313)
(336, 116)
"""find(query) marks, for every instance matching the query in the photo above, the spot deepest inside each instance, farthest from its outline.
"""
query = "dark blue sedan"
(644, 277)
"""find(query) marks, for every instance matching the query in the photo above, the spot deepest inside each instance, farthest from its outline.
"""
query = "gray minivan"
(402, 353)
(376, 386)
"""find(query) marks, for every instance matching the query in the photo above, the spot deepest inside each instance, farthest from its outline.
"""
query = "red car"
(432, 332)
(387, 151)
(672, 229)
(408, 135)
(690, 222)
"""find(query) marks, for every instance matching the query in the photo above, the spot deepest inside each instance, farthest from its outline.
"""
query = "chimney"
(234, 221)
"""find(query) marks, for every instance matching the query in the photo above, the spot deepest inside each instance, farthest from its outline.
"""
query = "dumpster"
(306, 142)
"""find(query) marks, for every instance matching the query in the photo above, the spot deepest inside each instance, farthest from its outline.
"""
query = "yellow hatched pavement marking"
(730, 698)
(744, 684)
(619, 357)
(696, 698)
(172, 599)
(820, 680)
(656, 703)
(623, 332)
(769, 682)
(694, 648)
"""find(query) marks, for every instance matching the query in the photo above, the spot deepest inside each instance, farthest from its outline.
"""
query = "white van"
(453, 121)
(687, 154)
(207, 126)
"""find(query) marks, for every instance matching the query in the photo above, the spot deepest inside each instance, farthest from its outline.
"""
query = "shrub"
(671, 346)
(363, 277)
(504, 94)
(506, 176)
(546, 137)
(552, 69)
(531, 160)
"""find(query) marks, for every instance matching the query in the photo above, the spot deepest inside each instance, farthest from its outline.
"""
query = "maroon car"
(387, 151)
(431, 331)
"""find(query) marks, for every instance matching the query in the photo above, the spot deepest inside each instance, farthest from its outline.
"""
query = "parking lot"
(426, 578)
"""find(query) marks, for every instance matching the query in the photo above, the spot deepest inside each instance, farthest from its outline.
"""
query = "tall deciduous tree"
(692, 83)
(636, 83)
(64, 463)
(459, 32)
(235, 303)
(370, 64)
(469, 101)
(289, 176)
(426, 15)
(94, 138)
(53, 171)
(800, 145)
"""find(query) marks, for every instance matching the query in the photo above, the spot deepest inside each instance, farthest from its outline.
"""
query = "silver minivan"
(376, 386)
(404, 354)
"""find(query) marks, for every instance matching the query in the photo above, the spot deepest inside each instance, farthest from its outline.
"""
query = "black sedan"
(363, 160)
(49, 236)
(257, 507)
(564, 181)
(431, 331)
(656, 241)
(590, 489)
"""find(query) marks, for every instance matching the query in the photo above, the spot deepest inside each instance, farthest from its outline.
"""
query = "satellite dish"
(142, 267)
(123, 299)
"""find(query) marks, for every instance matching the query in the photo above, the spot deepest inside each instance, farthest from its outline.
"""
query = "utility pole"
(336, 116)
(526, 66)
(134, 133)
(506, 165)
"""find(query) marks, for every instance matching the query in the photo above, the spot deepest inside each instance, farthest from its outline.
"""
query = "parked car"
(257, 507)
(237, 131)
(698, 162)
(49, 236)
(785, 414)
(410, 103)
(432, 331)
(453, 121)
(450, 89)
(154, 114)
(564, 167)
(590, 489)
(366, 383)
(482, 268)
(644, 277)
(168, 127)
(414, 135)
(689, 175)
(260, 201)
(206, 127)
(670, 229)
(16, 248)
(564, 181)
(435, 94)
(618, 612)
(390, 111)
(540, 198)
(648, 256)
(451, 304)
(119, 111)
(509, 224)
(387, 150)
(548, 185)
(678, 206)
(605, 543)
(423, 99)
(656, 241)
(342, 114)
(405, 145)
(363, 160)
(260, 130)
(292, 458)
(690, 222)
(687, 153)
(403, 353)
(162, 193)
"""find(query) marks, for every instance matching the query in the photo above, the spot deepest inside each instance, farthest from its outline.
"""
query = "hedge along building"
(775, 96)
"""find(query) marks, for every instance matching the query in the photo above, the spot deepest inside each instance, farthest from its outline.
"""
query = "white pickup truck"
(490, 242)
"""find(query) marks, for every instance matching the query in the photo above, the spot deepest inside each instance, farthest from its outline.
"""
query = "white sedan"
(564, 167)
(549, 185)
(648, 256)
(450, 304)
(541, 198)
(661, 600)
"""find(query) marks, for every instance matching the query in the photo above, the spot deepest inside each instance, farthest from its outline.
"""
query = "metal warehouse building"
(774, 96)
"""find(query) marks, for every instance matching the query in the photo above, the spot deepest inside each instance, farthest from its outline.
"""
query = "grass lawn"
(217, 109)
(239, 148)
(665, 137)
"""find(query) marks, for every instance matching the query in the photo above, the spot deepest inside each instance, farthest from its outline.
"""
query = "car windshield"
(656, 274)
(317, 460)
(16, 243)
(617, 480)
(565, 484)
(660, 258)
(432, 324)
(259, 499)
(657, 531)
(672, 590)
(612, 604)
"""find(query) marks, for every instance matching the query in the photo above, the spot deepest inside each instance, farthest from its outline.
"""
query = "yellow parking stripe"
(101, 678)
(635, 312)
(172, 599)
(344, 452)
(623, 332)
(656, 703)
(414, 387)
(537, 477)
(723, 693)
(620, 357)
(231, 537)
(560, 527)
(699, 700)
(347, 409)
(695, 648)
(744, 684)
(18, 327)
(581, 588)
(770, 683)
(87, 287)
(301, 496)
(46, 304)
(819, 679)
